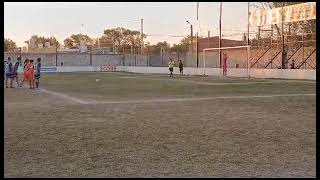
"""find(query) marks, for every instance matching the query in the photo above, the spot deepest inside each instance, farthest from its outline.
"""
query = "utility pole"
(142, 44)
(208, 39)
(178, 49)
(284, 53)
(248, 42)
(113, 47)
(20, 53)
(161, 51)
(131, 47)
(259, 35)
(197, 45)
(191, 37)
(56, 56)
(220, 35)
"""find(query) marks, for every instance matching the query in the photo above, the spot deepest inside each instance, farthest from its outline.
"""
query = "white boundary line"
(217, 84)
(77, 100)
(199, 99)
(80, 101)
(138, 75)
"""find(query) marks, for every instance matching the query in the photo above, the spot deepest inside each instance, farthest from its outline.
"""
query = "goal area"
(236, 57)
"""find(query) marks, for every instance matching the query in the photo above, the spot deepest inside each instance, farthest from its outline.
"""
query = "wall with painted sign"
(293, 13)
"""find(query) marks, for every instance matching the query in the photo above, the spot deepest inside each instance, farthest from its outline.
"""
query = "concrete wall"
(46, 59)
(73, 59)
(155, 61)
(308, 74)
(235, 56)
(135, 60)
(112, 59)
(87, 59)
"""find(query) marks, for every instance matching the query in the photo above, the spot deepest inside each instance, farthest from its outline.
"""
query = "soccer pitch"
(149, 125)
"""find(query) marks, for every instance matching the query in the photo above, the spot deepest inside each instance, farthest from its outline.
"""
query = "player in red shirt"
(225, 58)
(26, 62)
(30, 74)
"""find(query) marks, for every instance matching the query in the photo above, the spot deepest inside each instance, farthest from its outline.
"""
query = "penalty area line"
(215, 83)
(77, 100)
(199, 99)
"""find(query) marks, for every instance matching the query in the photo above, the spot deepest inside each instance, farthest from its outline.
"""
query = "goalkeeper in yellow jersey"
(171, 65)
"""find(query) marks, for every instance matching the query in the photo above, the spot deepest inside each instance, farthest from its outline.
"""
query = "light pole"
(191, 34)
(82, 30)
(198, 34)
(82, 41)
(220, 36)
(141, 33)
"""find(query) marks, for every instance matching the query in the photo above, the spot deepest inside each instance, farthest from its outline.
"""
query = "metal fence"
(236, 59)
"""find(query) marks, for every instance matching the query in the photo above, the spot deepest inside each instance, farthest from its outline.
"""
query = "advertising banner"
(293, 13)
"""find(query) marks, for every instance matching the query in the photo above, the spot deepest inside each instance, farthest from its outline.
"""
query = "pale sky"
(24, 19)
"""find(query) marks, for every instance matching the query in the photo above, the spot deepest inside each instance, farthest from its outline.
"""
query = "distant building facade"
(213, 42)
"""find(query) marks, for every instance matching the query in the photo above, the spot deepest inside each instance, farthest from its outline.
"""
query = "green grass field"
(135, 125)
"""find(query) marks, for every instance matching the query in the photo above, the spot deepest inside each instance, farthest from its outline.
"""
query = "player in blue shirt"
(4, 69)
(8, 72)
(15, 71)
(37, 68)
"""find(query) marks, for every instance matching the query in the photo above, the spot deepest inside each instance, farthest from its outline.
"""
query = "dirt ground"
(51, 135)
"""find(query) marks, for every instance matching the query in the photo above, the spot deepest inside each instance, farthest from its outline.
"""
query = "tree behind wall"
(156, 49)
(42, 40)
(73, 41)
(183, 46)
(124, 38)
(9, 45)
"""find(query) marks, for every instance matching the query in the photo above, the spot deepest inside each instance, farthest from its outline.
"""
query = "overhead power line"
(165, 35)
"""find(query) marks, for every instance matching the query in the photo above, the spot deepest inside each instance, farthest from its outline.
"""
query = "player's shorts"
(15, 74)
(29, 76)
(37, 76)
(9, 75)
(181, 69)
(170, 69)
(25, 75)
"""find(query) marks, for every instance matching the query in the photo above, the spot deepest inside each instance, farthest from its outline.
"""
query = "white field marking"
(266, 80)
(219, 84)
(199, 99)
(57, 94)
(77, 100)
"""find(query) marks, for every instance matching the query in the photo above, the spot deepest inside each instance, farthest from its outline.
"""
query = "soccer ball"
(97, 80)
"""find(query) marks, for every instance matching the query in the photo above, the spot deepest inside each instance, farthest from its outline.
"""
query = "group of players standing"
(171, 64)
(31, 72)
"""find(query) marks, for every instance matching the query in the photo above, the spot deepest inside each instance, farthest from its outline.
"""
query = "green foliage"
(123, 38)
(156, 49)
(42, 40)
(9, 45)
(73, 41)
